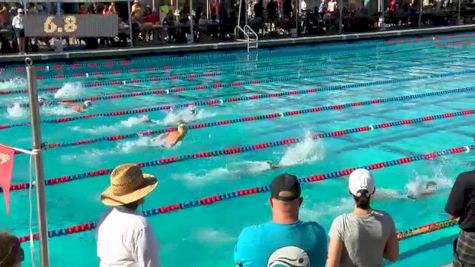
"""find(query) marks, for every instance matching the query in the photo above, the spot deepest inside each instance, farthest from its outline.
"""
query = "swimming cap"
(88, 103)
(181, 128)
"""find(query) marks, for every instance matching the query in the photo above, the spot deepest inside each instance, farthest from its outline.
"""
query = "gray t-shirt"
(364, 238)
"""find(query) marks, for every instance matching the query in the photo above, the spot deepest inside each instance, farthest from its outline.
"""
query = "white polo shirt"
(126, 239)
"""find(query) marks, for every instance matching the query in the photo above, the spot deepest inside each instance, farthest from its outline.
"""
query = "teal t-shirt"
(301, 244)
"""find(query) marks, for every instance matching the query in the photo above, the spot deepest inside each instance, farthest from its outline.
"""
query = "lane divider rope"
(202, 87)
(271, 116)
(126, 62)
(246, 148)
(217, 85)
(224, 65)
(207, 201)
(254, 97)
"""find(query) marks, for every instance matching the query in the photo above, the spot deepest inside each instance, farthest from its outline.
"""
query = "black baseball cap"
(285, 187)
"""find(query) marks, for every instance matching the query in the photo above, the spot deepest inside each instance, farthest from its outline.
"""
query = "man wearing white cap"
(365, 236)
(19, 28)
(124, 237)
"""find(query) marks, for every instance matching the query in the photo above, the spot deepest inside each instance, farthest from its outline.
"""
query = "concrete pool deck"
(200, 47)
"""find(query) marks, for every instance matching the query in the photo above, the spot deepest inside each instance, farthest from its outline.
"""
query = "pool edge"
(187, 48)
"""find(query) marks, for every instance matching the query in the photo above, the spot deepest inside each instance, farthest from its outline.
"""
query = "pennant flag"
(6, 170)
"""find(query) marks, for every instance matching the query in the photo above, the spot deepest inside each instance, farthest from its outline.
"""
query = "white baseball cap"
(20, 10)
(361, 179)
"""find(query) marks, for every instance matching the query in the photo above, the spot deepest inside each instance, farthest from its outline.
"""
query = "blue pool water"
(205, 236)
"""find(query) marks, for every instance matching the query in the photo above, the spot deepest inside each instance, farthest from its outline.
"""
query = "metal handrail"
(240, 29)
(250, 30)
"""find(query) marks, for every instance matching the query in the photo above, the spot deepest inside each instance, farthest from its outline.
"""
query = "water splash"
(95, 130)
(327, 209)
(69, 90)
(12, 83)
(230, 171)
(212, 235)
(16, 111)
(187, 114)
(140, 144)
(89, 155)
(418, 186)
(57, 110)
(304, 152)
(133, 121)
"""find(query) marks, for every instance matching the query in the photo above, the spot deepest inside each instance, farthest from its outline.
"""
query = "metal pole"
(458, 11)
(239, 14)
(296, 11)
(130, 25)
(38, 157)
(340, 19)
(419, 22)
(191, 21)
(245, 10)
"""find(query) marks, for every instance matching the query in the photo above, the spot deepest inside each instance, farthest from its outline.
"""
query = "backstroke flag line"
(6, 171)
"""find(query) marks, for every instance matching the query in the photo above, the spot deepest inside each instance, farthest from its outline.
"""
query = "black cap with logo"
(285, 187)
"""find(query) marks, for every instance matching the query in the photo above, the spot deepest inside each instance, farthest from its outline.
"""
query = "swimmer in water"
(272, 165)
(430, 188)
(172, 138)
(79, 107)
(146, 119)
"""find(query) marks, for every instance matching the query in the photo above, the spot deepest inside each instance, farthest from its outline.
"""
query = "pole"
(207, 9)
(296, 11)
(239, 14)
(340, 19)
(130, 25)
(38, 157)
(419, 22)
(458, 12)
(191, 22)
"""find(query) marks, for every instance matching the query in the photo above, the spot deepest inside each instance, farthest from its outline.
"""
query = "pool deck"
(164, 49)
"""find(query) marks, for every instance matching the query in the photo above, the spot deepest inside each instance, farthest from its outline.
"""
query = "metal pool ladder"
(250, 36)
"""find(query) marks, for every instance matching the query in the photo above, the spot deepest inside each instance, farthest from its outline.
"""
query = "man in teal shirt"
(285, 241)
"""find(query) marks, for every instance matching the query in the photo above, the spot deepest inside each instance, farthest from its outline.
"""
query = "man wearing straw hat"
(124, 237)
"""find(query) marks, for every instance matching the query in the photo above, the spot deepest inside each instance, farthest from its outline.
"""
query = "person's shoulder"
(466, 177)
(133, 219)
(313, 226)
(383, 215)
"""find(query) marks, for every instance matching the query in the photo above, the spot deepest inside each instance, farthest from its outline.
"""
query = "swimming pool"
(380, 81)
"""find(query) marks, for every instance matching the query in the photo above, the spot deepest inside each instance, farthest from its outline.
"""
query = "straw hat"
(128, 185)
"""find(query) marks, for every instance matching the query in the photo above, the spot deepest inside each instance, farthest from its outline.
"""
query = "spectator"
(11, 252)
(286, 239)
(365, 236)
(124, 237)
(461, 205)
(4, 18)
(19, 29)
(136, 10)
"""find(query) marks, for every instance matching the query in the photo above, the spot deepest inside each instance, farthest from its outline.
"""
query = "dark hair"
(362, 199)
(10, 250)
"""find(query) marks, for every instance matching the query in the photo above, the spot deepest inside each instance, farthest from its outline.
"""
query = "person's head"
(431, 185)
(182, 129)
(20, 12)
(11, 253)
(128, 187)
(285, 199)
(87, 103)
(361, 187)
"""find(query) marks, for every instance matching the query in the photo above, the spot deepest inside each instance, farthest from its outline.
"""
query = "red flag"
(6, 170)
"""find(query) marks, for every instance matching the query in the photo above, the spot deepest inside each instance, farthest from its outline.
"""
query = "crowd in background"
(167, 23)
(363, 237)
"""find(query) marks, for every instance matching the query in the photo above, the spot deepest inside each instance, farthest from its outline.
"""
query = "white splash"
(89, 155)
(132, 121)
(69, 90)
(12, 84)
(214, 236)
(16, 111)
(141, 143)
(307, 151)
(231, 171)
(187, 114)
(327, 209)
(57, 110)
(422, 185)
(94, 130)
